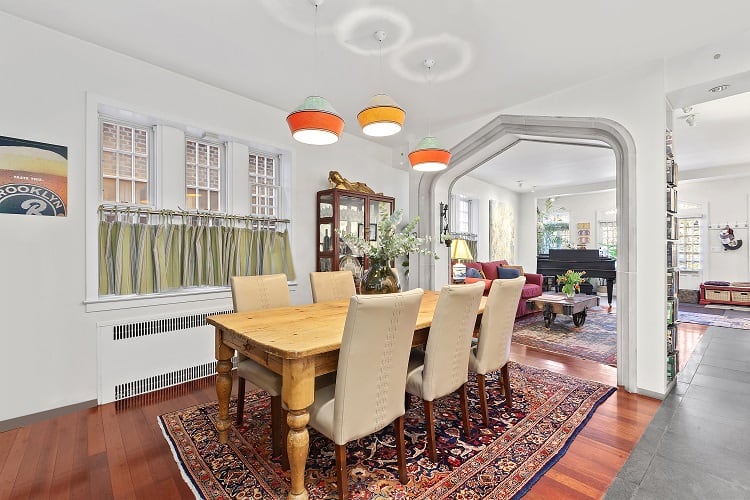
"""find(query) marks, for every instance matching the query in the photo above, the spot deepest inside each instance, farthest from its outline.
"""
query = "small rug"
(501, 461)
(595, 340)
(727, 307)
(741, 322)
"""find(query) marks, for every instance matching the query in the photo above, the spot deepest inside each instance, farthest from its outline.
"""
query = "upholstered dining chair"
(368, 392)
(492, 351)
(253, 293)
(332, 285)
(441, 368)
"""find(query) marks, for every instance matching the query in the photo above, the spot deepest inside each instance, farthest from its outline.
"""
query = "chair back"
(253, 293)
(371, 374)
(333, 285)
(496, 330)
(449, 342)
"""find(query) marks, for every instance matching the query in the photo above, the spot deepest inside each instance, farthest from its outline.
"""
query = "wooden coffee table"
(553, 304)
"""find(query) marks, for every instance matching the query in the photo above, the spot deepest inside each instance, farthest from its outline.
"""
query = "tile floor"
(698, 444)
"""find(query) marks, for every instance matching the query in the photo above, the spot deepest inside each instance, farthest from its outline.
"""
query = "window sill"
(113, 303)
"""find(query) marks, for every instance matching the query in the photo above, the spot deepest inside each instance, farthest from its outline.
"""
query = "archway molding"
(501, 133)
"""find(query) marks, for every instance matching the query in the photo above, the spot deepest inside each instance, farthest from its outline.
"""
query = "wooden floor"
(118, 450)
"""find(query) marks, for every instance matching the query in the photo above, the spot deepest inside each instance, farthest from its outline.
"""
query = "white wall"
(48, 345)
(724, 201)
(484, 192)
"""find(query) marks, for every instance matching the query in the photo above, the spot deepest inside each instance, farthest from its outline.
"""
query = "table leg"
(579, 318)
(298, 391)
(549, 316)
(223, 386)
(610, 285)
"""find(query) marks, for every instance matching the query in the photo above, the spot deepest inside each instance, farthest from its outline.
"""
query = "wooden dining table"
(299, 343)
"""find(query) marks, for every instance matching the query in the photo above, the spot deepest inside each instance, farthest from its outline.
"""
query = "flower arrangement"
(571, 281)
(391, 242)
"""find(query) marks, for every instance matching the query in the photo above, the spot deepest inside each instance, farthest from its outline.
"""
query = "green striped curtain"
(140, 258)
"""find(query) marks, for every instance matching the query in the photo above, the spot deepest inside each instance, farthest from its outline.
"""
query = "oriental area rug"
(595, 340)
(500, 461)
(739, 320)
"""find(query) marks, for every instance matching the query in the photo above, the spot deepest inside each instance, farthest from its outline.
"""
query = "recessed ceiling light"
(719, 88)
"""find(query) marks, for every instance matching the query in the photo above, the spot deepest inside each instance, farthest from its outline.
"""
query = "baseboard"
(17, 422)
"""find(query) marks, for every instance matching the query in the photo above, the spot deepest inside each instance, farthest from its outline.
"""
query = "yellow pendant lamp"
(315, 121)
(429, 155)
(382, 116)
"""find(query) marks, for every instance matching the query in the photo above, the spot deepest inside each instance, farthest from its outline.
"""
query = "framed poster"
(33, 177)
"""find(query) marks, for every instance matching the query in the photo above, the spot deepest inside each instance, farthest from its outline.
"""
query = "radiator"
(144, 355)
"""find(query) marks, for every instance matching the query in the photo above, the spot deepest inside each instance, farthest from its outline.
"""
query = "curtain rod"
(184, 213)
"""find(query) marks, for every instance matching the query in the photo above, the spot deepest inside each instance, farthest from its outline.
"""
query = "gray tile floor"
(698, 444)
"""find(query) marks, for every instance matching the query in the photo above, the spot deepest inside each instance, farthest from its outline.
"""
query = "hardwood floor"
(118, 450)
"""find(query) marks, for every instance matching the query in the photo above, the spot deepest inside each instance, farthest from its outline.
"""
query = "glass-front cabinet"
(352, 212)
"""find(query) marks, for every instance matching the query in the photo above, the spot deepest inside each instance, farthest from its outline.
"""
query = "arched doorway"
(500, 133)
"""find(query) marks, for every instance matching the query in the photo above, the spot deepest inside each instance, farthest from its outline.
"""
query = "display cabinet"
(352, 212)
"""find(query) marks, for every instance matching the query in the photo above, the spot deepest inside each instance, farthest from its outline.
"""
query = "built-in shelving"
(673, 275)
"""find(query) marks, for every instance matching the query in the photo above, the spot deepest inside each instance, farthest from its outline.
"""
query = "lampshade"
(315, 122)
(460, 250)
(429, 156)
(382, 116)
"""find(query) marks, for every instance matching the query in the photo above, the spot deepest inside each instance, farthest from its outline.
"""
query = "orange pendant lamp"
(382, 116)
(429, 155)
(315, 121)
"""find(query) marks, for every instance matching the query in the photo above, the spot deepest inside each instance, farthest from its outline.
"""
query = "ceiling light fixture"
(719, 88)
(429, 155)
(315, 121)
(382, 116)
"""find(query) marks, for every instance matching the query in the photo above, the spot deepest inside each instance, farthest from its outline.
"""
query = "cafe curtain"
(154, 252)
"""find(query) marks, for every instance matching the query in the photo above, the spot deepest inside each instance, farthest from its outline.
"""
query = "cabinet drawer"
(740, 296)
(717, 295)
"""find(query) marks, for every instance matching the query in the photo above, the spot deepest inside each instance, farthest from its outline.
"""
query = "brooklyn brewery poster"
(33, 177)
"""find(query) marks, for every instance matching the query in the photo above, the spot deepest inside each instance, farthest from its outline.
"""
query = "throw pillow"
(507, 273)
(520, 268)
(473, 273)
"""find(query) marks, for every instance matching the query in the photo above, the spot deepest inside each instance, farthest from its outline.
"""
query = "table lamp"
(460, 252)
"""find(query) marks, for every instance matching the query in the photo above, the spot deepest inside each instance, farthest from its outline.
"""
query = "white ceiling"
(489, 54)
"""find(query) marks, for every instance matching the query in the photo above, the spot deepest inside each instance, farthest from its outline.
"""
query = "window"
(689, 244)
(462, 215)
(265, 185)
(202, 175)
(608, 236)
(553, 230)
(125, 160)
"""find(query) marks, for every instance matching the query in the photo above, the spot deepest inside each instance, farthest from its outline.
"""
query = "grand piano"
(560, 260)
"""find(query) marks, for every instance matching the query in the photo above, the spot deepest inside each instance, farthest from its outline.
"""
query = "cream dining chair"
(253, 293)
(492, 351)
(332, 285)
(441, 368)
(368, 393)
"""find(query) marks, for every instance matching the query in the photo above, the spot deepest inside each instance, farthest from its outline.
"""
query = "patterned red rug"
(501, 461)
(595, 340)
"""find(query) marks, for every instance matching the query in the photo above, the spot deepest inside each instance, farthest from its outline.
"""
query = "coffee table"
(553, 304)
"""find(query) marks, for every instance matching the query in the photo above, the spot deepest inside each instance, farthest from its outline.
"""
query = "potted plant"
(571, 282)
(391, 243)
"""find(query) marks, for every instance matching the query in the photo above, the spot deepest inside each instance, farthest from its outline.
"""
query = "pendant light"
(315, 121)
(382, 116)
(429, 155)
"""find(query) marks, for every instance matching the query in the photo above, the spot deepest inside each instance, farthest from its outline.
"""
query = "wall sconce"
(445, 236)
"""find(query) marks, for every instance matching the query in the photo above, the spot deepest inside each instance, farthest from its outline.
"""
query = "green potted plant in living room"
(390, 243)
(571, 282)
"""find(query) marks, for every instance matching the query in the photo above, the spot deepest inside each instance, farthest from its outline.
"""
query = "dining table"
(299, 343)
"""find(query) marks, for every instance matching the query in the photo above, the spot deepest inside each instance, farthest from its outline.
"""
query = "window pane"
(125, 165)
(202, 177)
(202, 155)
(213, 175)
(141, 168)
(126, 139)
(109, 135)
(141, 193)
(109, 163)
(126, 188)
(190, 152)
(191, 199)
(109, 190)
(214, 196)
(141, 144)
(190, 175)
(214, 157)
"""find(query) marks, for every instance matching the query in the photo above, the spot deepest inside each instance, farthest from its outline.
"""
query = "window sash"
(125, 163)
(689, 244)
(203, 179)
(264, 184)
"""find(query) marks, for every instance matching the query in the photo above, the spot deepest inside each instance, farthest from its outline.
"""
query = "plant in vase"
(571, 282)
(391, 243)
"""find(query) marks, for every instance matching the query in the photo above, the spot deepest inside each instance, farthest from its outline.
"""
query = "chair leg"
(483, 399)
(276, 432)
(398, 427)
(341, 479)
(240, 400)
(429, 424)
(465, 410)
(506, 384)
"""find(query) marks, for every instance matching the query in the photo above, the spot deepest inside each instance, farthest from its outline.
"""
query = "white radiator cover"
(142, 355)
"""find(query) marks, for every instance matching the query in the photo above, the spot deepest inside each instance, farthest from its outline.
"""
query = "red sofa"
(532, 287)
